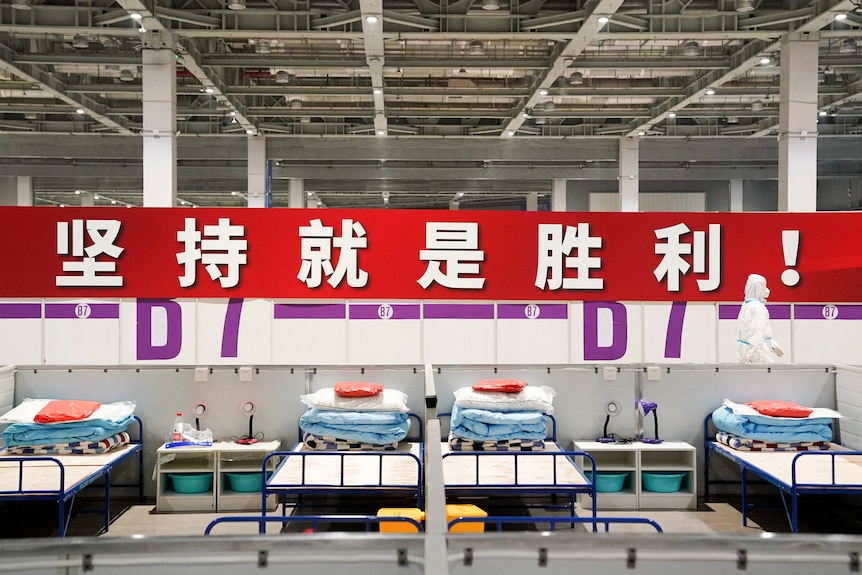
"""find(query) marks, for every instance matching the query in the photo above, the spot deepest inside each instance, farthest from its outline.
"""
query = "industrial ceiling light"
(381, 132)
(80, 42)
(756, 106)
(282, 77)
(691, 48)
(135, 15)
(841, 16)
(236, 4)
(671, 114)
(603, 20)
(127, 75)
(371, 19)
(765, 60)
(295, 103)
(21, 4)
(377, 91)
(543, 92)
(576, 79)
(744, 6)
(847, 46)
(710, 91)
(550, 106)
(490, 5)
(477, 48)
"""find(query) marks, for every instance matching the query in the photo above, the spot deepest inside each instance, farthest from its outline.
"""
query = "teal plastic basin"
(245, 482)
(662, 481)
(191, 482)
(609, 481)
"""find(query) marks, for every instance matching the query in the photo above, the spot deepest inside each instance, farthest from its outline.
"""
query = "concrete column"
(88, 199)
(735, 187)
(256, 172)
(454, 204)
(296, 193)
(25, 191)
(533, 202)
(558, 195)
(797, 125)
(629, 183)
(16, 191)
(160, 128)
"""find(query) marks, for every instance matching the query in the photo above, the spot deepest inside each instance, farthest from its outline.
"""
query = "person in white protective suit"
(754, 344)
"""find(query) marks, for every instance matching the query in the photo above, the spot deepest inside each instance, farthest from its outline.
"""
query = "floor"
(818, 514)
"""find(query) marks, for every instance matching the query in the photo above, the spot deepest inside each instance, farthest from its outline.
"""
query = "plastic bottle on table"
(178, 428)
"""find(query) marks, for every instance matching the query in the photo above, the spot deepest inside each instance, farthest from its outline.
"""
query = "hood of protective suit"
(755, 288)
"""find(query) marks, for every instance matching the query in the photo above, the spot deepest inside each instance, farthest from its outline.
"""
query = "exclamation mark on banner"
(790, 243)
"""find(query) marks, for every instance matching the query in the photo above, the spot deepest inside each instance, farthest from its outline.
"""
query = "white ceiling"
(296, 70)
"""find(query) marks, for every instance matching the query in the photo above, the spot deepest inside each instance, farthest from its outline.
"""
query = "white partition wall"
(458, 332)
(309, 333)
(532, 333)
(384, 333)
(20, 331)
(158, 331)
(234, 331)
(831, 332)
(689, 335)
(70, 323)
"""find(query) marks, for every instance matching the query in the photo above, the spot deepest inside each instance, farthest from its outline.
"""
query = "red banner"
(411, 255)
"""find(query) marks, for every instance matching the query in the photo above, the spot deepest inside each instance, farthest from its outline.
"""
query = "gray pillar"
(296, 193)
(735, 187)
(454, 204)
(629, 187)
(256, 172)
(533, 202)
(88, 199)
(16, 191)
(558, 195)
(797, 125)
(160, 127)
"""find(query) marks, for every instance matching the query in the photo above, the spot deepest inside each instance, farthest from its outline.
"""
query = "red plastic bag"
(58, 410)
(777, 408)
(500, 385)
(357, 389)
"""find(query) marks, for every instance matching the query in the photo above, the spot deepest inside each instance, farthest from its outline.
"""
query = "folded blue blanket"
(772, 429)
(484, 425)
(372, 427)
(29, 434)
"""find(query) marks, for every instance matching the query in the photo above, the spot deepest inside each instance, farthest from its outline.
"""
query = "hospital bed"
(303, 474)
(837, 471)
(548, 473)
(60, 478)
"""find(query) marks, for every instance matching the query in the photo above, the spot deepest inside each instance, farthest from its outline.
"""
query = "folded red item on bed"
(777, 408)
(357, 389)
(500, 385)
(58, 410)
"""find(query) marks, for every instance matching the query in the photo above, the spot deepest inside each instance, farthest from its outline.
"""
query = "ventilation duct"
(477, 48)
(691, 48)
(847, 46)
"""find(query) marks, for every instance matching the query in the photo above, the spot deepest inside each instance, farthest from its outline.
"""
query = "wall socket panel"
(653, 372)
(202, 373)
(245, 373)
(609, 373)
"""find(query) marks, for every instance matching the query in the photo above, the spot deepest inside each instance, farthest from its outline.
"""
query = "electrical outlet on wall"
(653, 372)
(609, 373)
(245, 373)
(202, 373)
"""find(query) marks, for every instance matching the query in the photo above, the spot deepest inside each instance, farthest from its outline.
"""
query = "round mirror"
(199, 410)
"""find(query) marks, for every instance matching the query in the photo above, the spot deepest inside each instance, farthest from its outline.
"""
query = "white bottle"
(178, 428)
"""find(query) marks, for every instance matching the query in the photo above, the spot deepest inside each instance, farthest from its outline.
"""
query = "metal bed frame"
(65, 494)
(304, 487)
(792, 488)
(522, 459)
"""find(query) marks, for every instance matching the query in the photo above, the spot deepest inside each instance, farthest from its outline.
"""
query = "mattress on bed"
(360, 469)
(41, 474)
(812, 467)
(535, 468)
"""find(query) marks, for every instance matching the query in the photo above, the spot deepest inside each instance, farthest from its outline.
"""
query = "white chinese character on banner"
(555, 245)
(316, 253)
(455, 244)
(219, 245)
(93, 272)
(673, 265)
